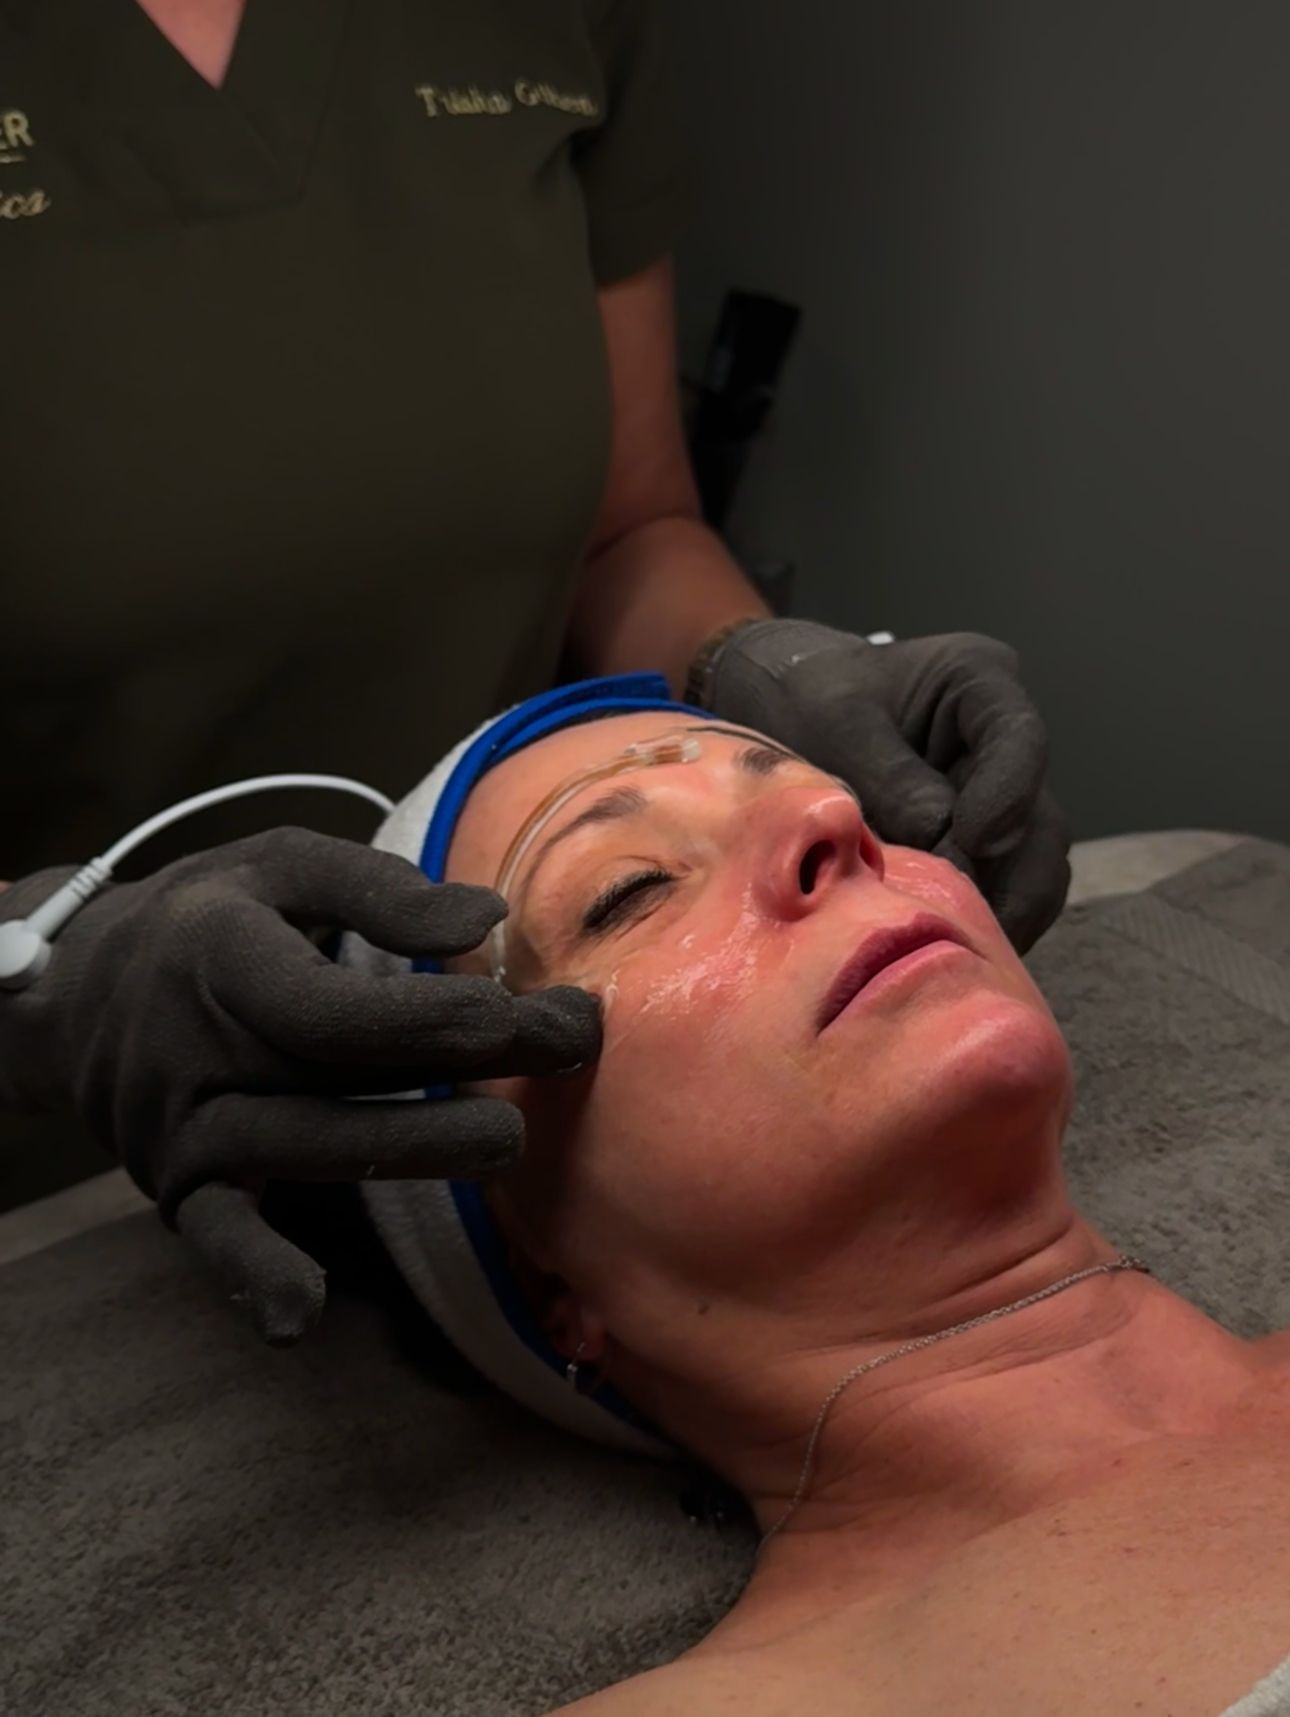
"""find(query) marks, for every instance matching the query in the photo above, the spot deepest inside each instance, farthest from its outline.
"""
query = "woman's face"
(742, 1123)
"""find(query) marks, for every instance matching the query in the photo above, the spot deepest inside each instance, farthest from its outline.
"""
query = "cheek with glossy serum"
(696, 983)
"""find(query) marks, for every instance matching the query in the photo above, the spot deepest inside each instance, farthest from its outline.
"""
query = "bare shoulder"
(648, 1695)
(1274, 1354)
(681, 1689)
(622, 1700)
(1277, 1344)
(754, 1682)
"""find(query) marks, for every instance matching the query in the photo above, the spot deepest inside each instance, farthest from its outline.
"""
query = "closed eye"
(623, 899)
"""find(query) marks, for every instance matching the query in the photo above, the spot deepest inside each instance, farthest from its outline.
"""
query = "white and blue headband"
(441, 1234)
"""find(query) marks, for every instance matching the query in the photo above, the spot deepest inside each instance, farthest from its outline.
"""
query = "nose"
(806, 841)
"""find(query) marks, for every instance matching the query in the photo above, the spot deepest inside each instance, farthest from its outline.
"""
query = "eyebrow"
(756, 760)
(611, 808)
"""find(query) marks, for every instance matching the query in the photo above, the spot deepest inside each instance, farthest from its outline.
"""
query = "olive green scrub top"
(303, 391)
(304, 410)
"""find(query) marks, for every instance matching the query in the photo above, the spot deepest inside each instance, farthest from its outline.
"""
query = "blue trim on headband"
(548, 712)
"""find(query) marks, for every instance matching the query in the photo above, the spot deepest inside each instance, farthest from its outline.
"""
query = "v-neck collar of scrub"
(245, 145)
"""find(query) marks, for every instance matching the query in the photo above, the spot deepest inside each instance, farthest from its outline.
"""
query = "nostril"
(814, 859)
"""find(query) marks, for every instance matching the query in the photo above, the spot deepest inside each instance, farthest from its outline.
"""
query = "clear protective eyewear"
(680, 745)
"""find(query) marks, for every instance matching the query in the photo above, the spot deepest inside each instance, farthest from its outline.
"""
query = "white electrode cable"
(25, 942)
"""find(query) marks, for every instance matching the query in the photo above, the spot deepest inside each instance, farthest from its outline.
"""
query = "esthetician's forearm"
(649, 600)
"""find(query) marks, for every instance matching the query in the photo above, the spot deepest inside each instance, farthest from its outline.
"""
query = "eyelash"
(607, 909)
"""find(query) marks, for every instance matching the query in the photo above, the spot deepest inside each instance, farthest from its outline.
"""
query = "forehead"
(509, 792)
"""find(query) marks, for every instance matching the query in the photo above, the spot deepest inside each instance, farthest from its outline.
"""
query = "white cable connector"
(25, 943)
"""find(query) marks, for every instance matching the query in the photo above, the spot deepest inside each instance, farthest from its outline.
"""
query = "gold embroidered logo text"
(22, 203)
(15, 136)
(442, 101)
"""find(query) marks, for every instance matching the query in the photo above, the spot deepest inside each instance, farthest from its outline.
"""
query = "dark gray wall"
(1042, 387)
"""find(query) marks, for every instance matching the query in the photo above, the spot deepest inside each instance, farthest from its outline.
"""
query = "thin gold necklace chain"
(1123, 1262)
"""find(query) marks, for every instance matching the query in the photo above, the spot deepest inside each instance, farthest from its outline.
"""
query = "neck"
(919, 1456)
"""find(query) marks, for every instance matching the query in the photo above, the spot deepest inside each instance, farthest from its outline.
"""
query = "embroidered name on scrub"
(453, 103)
(15, 136)
(23, 203)
(15, 141)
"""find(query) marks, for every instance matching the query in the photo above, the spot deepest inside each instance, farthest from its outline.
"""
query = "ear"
(567, 1322)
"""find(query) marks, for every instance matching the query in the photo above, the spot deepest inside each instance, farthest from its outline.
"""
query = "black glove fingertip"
(908, 804)
(583, 1010)
(462, 916)
(1005, 839)
(949, 849)
(566, 1022)
(289, 1309)
(921, 826)
(474, 900)
(489, 1157)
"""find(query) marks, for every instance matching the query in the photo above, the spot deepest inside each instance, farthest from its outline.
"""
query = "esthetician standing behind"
(339, 400)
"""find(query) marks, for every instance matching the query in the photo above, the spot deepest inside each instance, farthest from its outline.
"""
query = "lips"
(878, 951)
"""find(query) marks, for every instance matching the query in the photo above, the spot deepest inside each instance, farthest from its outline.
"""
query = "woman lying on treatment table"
(827, 1121)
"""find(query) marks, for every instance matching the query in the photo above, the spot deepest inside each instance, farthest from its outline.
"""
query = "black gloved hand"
(204, 1039)
(936, 735)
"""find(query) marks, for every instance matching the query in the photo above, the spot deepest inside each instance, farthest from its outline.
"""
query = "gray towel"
(194, 1524)
(1271, 1697)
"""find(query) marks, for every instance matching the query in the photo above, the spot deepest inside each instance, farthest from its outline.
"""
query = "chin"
(1010, 1052)
(991, 1061)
